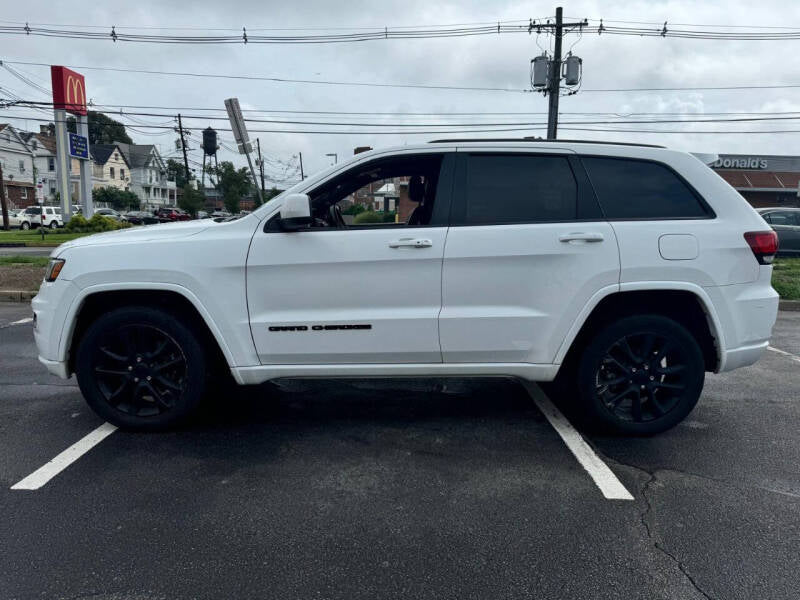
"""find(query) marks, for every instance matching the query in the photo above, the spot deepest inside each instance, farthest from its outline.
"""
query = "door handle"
(411, 243)
(581, 237)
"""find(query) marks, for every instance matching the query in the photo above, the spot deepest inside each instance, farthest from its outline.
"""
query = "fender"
(635, 286)
(68, 328)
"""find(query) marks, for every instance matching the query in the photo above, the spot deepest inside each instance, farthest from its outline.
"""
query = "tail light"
(764, 245)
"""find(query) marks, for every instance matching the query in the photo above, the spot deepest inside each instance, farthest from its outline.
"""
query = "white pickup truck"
(624, 272)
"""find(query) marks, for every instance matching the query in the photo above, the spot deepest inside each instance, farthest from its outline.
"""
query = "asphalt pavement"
(399, 489)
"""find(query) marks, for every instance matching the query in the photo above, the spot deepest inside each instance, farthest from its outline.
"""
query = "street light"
(335, 157)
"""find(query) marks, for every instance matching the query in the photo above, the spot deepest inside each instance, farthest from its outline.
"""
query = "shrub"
(369, 216)
(98, 223)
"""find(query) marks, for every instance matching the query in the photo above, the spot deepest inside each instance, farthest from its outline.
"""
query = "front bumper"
(50, 310)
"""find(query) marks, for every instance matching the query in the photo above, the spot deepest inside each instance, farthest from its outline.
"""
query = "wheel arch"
(176, 299)
(686, 303)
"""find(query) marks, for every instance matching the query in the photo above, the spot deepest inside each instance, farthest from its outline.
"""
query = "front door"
(363, 284)
(526, 251)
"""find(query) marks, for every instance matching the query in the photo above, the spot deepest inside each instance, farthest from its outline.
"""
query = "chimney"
(48, 130)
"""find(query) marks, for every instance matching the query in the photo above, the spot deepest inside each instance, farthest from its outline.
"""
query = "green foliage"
(98, 223)
(116, 198)
(389, 217)
(191, 200)
(102, 129)
(354, 209)
(233, 184)
(177, 171)
(786, 278)
(368, 216)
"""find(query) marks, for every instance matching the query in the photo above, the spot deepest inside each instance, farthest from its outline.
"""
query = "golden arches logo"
(74, 91)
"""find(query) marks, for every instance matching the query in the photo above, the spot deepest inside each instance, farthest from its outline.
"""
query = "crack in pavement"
(656, 544)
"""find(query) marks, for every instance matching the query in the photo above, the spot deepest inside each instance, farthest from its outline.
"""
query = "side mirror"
(295, 212)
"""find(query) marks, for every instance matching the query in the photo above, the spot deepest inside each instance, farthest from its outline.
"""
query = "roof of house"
(102, 152)
(48, 141)
(136, 155)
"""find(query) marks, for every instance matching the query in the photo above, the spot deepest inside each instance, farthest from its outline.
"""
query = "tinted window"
(636, 189)
(502, 188)
(783, 218)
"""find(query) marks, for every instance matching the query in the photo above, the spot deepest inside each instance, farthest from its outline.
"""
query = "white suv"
(623, 272)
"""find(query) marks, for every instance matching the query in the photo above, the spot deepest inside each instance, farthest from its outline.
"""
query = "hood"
(131, 235)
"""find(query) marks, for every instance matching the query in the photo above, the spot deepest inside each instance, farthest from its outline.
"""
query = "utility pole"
(553, 68)
(555, 78)
(302, 175)
(183, 146)
(260, 163)
(3, 199)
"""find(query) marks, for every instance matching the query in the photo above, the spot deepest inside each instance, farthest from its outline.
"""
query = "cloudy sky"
(498, 61)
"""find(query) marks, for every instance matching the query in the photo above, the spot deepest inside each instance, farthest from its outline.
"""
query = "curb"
(12, 244)
(16, 296)
(793, 305)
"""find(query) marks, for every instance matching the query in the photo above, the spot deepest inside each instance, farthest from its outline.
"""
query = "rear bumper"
(747, 313)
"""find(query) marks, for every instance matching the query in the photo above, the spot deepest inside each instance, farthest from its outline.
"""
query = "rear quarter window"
(640, 189)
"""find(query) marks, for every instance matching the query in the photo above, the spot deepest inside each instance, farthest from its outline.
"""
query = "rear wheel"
(53, 224)
(641, 375)
(25, 225)
(141, 368)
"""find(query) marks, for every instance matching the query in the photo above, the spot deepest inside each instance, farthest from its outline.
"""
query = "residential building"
(43, 147)
(148, 178)
(110, 168)
(18, 170)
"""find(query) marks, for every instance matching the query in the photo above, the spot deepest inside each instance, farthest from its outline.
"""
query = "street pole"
(63, 161)
(183, 145)
(555, 78)
(302, 175)
(86, 172)
(3, 199)
(260, 164)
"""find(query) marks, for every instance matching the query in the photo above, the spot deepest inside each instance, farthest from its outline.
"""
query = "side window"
(518, 188)
(640, 189)
(401, 191)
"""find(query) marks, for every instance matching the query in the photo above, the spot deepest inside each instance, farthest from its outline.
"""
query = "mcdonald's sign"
(69, 90)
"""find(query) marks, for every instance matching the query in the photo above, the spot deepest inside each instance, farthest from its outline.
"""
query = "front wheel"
(141, 368)
(640, 375)
(25, 225)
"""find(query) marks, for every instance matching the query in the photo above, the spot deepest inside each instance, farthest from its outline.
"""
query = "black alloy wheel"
(141, 368)
(641, 375)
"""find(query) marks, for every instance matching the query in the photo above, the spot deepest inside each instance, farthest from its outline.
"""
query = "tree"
(116, 198)
(191, 200)
(102, 129)
(176, 171)
(369, 216)
(233, 184)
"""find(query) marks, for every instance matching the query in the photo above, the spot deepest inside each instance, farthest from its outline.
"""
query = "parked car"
(166, 215)
(619, 272)
(786, 223)
(38, 216)
(14, 219)
(220, 214)
(110, 213)
(141, 217)
(201, 214)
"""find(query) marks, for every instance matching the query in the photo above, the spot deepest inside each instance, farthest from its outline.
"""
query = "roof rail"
(541, 140)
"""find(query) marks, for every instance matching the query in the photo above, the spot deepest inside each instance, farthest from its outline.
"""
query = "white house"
(18, 170)
(148, 179)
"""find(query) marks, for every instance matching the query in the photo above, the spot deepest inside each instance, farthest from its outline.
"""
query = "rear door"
(527, 249)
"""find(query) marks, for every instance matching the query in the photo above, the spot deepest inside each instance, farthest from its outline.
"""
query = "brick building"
(763, 179)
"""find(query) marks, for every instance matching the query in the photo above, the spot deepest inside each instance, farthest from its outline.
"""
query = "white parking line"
(603, 476)
(46, 472)
(785, 353)
(22, 321)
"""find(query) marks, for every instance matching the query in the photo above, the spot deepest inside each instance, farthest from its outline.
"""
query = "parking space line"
(601, 474)
(794, 357)
(20, 322)
(46, 472)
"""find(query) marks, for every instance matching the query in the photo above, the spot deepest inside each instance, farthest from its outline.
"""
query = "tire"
(141, 368)
(640, 375)
(25, 225)
(53, 224)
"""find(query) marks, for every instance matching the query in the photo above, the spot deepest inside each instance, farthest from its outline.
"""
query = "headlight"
(54, 268)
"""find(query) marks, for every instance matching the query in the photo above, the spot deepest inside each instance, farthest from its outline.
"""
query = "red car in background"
(166, 215)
